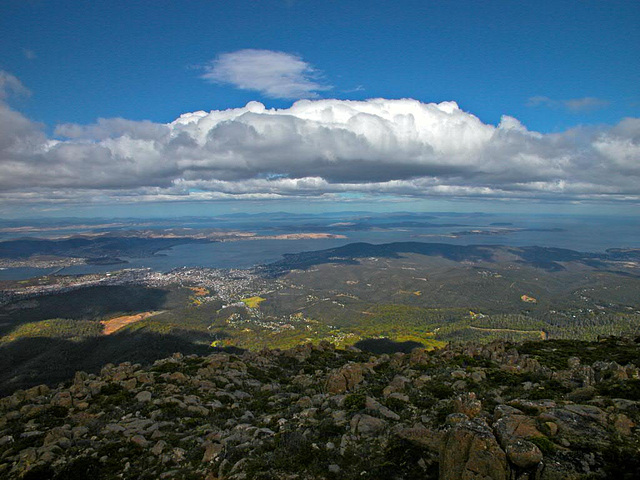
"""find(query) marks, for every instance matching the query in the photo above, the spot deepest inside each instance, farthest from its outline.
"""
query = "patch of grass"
(253, 302)
(327, 430)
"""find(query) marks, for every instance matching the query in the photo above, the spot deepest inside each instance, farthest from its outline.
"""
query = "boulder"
(510, 428)
(62, 399)
(374, 406)
(468, 404)
(345, 378)
(579, 424)
(363, 424)
(211, 452)
(622, 424)
(158, 447)
(421, 436)
(471, 452)
(524, 454)
(140, 441)
(143, 396)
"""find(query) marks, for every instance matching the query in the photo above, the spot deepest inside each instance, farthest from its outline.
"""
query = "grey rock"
(144, 396)
(363, 424)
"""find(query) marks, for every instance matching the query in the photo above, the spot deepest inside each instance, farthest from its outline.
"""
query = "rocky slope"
(541, 410)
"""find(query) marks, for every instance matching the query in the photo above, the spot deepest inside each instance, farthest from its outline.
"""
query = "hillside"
(537, 410)
(427, 294)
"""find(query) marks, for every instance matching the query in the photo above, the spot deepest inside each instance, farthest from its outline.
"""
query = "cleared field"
(199, 291)
(114, 324)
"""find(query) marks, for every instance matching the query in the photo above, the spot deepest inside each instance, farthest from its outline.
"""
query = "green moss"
(546, 446)
(355, 402)
(52, 416)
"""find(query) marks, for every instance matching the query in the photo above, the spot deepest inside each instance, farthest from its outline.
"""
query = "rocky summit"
(545, 410)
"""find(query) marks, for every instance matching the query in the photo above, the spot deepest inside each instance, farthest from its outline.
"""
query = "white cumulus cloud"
(321, 149)
(274, 74)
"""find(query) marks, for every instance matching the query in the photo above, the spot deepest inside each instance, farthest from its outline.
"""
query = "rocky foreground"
(541, 410)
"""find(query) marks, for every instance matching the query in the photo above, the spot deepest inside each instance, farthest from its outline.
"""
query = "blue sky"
(554, 66)
(138, 60)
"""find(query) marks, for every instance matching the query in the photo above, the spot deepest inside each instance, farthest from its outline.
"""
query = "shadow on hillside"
(84, 304)
(384, 345)
(33, 361)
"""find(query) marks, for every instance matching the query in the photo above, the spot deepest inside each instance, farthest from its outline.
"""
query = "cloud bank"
(274, 74)
(316, 149)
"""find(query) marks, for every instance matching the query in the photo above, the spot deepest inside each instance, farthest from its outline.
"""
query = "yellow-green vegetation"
(199, 293)
(417, 293)
(57, 327)
(396, 323)
(253, 302)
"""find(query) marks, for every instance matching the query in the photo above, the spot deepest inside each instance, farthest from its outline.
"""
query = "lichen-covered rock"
(62, 399)
(471, 452)
(523, 454)
(512, 427)
(363, 424)
(579, 424)
(468, 404)
(345, 378)
(143, 396)
(422, 436)
(320, 412)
